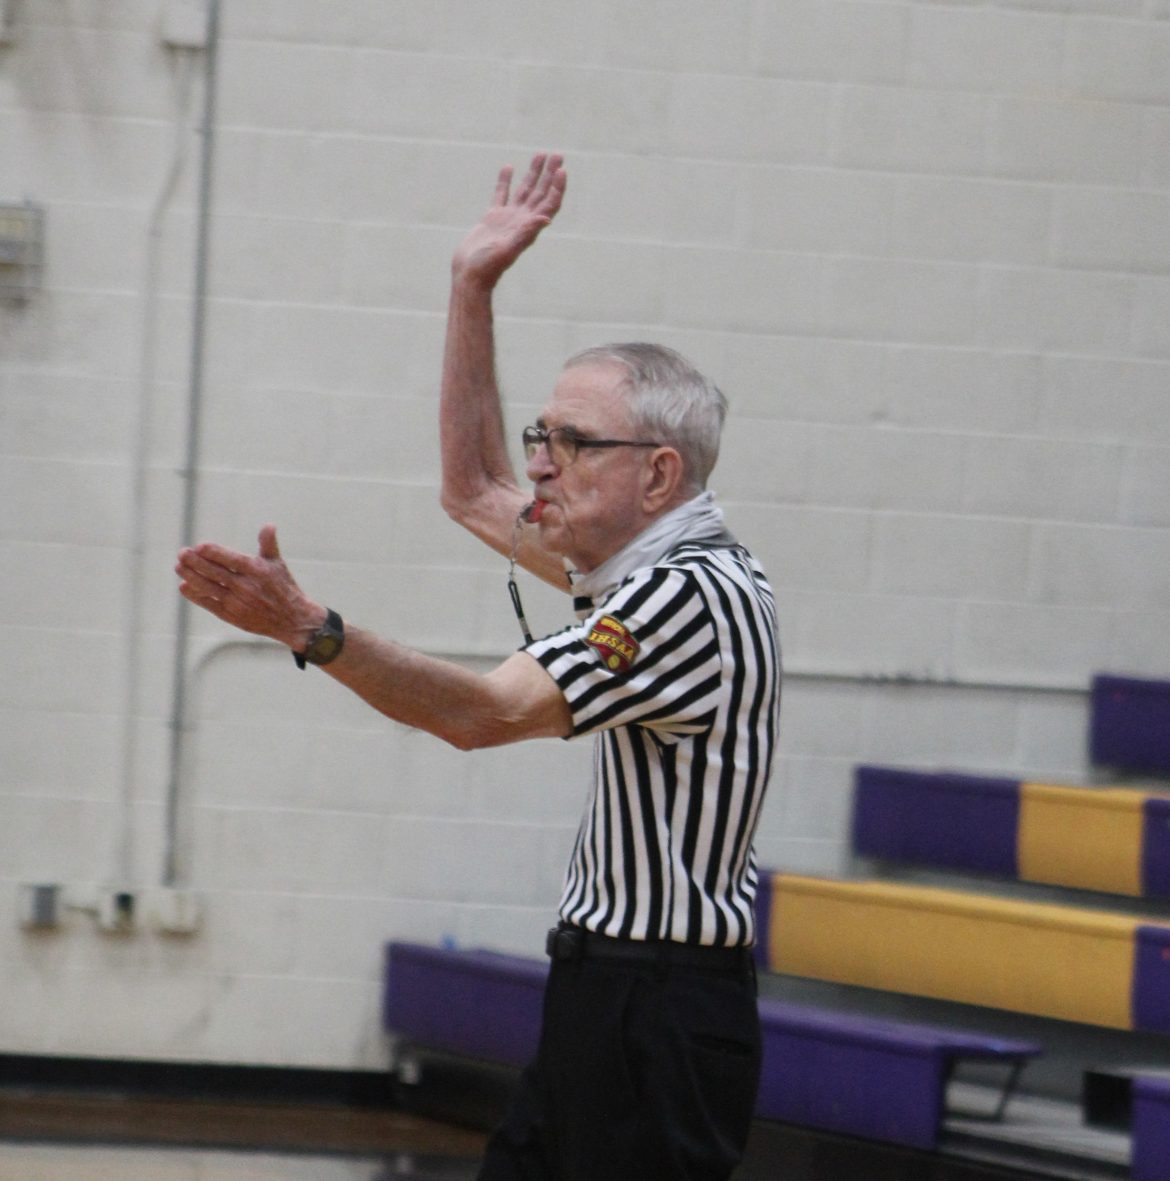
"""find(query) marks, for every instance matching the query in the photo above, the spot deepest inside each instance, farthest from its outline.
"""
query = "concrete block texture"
(923, 247)
(833, 41)
(906, 130)
(952, 556)
(1120, 60)
(990, 49)
(1112, 229)
(1072, 139)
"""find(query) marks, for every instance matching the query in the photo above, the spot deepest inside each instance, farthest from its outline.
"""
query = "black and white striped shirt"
(677, 674)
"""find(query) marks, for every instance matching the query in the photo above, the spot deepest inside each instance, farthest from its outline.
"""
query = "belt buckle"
(564, 944)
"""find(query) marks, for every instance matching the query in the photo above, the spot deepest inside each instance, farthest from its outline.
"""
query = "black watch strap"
(325, 643)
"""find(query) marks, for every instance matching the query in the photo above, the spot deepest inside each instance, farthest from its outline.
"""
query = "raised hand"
(512, 222)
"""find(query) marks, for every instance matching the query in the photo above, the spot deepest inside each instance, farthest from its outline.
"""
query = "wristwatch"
(325, 643)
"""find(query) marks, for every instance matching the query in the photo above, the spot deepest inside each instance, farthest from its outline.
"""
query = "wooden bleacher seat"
(1064, 962)
(1111, 840)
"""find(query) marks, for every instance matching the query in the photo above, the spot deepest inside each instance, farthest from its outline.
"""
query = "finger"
(535, 171)
(268, 547)
(547, 195)
(198, 591)
(202, 598)
(554, 194)
(503, 184)
(209, 552)
(195, 568)
(552, 166)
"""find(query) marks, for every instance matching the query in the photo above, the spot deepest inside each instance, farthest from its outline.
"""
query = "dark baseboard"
(188, 1080)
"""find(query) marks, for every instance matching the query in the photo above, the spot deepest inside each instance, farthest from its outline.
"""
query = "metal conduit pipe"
(171, 869)
(919, 681)
(136, 553)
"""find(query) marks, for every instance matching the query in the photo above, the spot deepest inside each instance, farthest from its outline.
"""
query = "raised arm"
(258, 594)
(480, 489)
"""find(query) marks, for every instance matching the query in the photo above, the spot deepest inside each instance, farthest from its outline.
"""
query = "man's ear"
(664, 480)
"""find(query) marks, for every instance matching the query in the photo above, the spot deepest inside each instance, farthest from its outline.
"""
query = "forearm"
(479, 488)
(468, 710)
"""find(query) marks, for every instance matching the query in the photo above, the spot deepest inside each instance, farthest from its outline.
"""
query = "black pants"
(643, 1074)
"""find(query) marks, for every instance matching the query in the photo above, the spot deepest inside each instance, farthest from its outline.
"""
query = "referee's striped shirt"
(677, 674)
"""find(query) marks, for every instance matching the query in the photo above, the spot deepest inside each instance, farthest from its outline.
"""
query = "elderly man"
(649, 1054)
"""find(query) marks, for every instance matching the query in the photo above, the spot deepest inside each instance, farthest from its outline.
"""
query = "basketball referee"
(649, 1054)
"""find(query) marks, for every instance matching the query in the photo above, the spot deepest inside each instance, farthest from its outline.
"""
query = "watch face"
(326, 642)
(324, 648)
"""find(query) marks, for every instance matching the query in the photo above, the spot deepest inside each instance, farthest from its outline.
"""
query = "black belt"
(572, 943)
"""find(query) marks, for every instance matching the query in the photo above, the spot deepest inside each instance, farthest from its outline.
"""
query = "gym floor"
(84, 1138)
(59, 1135)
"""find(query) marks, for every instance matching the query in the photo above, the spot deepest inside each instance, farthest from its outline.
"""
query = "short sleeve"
(648, 656)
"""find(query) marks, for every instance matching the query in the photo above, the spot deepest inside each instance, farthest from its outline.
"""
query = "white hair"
(669, 401)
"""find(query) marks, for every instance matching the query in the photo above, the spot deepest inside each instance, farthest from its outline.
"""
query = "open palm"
(513, 220)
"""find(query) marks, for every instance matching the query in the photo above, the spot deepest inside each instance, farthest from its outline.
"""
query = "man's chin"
(553, 536)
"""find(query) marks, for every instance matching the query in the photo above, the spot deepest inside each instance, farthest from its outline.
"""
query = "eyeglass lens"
(562, 444)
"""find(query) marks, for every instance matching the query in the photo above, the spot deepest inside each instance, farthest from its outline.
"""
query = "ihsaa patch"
(612, 641)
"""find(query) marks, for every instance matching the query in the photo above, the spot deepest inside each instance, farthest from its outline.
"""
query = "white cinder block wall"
(923, 244)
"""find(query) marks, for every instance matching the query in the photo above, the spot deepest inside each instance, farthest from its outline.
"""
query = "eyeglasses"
(564, 443)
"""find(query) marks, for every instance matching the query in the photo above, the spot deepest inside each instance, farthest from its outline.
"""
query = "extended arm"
(480, 489)
(257, 594)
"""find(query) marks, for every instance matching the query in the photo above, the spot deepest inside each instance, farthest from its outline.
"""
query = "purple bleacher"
(1130, 724)
(763, 920)
(960, 822)
(841, 1072)
(1156, 847)
(862, 1076)
(480, 1004)
(1151, 1128)
(1151, 980)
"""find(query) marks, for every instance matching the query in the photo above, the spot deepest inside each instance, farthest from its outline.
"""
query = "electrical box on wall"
(117, 912)
(40, 906)
(22, 250)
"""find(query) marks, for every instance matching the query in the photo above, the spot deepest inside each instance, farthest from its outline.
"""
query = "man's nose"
(540, 464)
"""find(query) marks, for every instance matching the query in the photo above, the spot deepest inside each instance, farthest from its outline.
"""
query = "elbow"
(474, 498)
(471, 729)
(464, 506)
(466, 728)
(461, 740)
(453, 505)
(469, 738)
